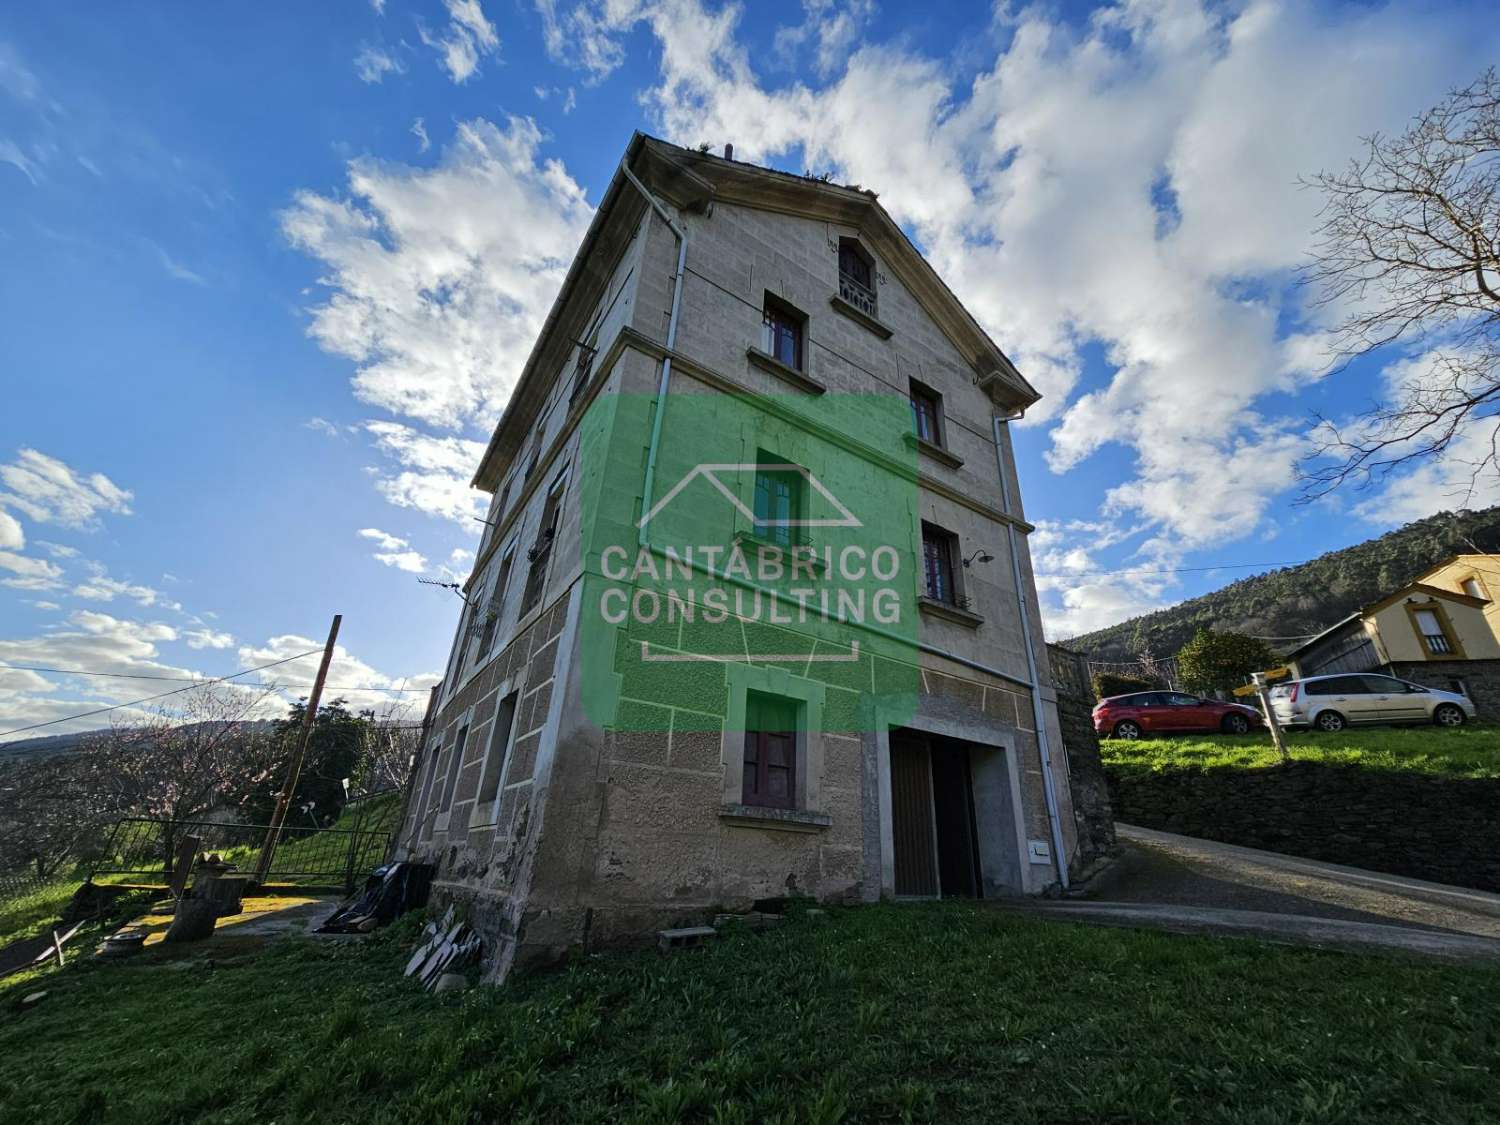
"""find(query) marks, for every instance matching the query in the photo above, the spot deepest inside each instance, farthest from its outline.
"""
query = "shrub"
(1107, 684)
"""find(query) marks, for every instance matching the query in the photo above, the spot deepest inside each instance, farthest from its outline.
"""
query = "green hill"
(1304, 599)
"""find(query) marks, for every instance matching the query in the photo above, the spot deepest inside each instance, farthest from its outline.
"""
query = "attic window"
(857, 276)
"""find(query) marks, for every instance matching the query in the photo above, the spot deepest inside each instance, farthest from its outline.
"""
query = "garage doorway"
(932, 817)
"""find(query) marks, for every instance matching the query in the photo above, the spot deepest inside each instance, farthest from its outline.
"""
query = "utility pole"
(273, 834)
(1259, 679)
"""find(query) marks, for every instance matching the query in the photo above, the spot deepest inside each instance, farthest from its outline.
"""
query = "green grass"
(936, 1012)
(28, 914)
(1469, 751)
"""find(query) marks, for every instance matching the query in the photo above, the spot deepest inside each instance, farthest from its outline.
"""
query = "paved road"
(1181, 883)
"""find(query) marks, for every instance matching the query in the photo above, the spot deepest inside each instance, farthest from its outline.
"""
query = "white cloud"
(373, 63)
(322, 425)
(56, 550)
(100, 587)
(345, 673)
(419, 130)
(46, 605)
(395, 551)
(435, 473)
(207, 638)
(834, 26)
(175, 269)
(440, 278)
(29, 573)
(468, 38)
(12, 538)
(48, 491)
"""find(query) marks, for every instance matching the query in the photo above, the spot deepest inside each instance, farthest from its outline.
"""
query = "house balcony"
(858, 295)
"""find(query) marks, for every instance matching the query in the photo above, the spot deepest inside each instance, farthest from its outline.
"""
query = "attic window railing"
(858, 294)
(1437, 644)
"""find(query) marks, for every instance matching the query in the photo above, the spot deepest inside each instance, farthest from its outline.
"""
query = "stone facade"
(1090, 786)
(613, 802)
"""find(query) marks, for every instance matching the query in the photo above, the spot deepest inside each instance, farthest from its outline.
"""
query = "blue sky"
(271, 269)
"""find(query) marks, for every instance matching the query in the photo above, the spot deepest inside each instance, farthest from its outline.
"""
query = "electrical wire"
(159, 695)
(176, 679)
(1174, 570)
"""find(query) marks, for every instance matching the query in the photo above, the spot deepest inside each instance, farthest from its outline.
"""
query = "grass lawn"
(1468, 751)
(889, 1013)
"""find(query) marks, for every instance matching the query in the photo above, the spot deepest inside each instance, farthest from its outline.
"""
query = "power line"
(173, 679)
(1174, 570)
(159, 695)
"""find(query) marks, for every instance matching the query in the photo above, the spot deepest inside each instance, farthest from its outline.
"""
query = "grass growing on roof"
(933, 1012)
(1472, 750)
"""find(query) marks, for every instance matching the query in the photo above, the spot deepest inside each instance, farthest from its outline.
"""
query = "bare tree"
(53, 812)
(182, 764)
(1409, 255)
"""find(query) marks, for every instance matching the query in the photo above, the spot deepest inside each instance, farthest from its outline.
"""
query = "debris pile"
(389, 892)
(450, 948)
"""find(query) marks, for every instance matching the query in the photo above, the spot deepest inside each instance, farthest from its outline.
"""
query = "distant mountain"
(42, 747)
(1304, 599)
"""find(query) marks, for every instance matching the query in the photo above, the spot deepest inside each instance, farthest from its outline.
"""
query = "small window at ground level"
(770, 763)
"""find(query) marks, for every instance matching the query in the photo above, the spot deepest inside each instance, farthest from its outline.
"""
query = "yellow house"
(1443, 630)
(1475, 575)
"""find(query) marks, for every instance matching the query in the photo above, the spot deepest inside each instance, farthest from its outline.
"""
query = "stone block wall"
(1481, 679)
(1426, 827)
(1092, 812)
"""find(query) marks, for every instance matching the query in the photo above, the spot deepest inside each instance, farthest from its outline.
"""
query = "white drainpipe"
(666, 363)
(1038, 712)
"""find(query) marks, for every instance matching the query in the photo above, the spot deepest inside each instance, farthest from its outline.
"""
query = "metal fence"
(16, 884)
(141, 849)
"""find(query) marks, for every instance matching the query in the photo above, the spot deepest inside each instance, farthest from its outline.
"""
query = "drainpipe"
(1038, 713)
(649, 484)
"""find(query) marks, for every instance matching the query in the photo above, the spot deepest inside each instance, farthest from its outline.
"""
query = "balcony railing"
(857, 294)
(1437, 644)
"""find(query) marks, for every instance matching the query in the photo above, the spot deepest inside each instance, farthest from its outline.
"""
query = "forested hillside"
(1301, 599)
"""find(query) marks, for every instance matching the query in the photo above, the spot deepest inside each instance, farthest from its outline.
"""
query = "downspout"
(1038, 712)
(649, 485)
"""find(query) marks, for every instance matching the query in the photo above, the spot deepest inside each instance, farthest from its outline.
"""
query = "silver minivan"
(1334, 702)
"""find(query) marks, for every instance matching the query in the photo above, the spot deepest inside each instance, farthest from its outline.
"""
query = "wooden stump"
(223, 890)
(194, 920)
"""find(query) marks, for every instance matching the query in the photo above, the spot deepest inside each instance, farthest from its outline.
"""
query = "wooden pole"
(294, 771)
(1264, 696)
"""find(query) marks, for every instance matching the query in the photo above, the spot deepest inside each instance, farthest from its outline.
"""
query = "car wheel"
(1128, 730)
(1235, 724)
(1330, 721)
(1448, 715)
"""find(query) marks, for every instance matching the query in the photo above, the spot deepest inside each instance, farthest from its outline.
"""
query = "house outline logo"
(710, 471)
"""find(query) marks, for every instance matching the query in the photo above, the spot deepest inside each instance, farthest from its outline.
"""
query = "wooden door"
(912, 825)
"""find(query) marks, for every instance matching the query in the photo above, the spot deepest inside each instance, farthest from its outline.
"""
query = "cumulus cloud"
(349, 677)
(434, 474)
(100, 587)
(12, 537)
(207, 638)
(468, 37)
(395, 551)
(29, 573)
(440, 278)
(47, 490)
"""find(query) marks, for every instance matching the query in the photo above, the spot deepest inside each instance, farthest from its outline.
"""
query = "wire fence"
(141, 849)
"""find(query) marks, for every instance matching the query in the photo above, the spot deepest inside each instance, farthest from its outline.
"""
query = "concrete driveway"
(1180, 883)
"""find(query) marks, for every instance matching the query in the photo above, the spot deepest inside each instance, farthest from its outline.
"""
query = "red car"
(1169, 712)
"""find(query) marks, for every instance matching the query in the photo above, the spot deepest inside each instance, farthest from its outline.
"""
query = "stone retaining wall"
(1086, 777)
(1442, 829)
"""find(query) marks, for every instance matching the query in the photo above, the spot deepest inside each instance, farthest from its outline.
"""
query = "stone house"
(753, 614)
(1440, 630)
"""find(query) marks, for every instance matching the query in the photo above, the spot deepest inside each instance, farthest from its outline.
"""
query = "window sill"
(785, 372)
(779, 820)
(935, 451)
(860, 317)
(754, 541)
(934, 608)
